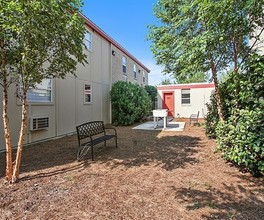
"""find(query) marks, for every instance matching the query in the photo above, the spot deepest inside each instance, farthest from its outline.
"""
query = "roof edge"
(111, 40)
(186, 86)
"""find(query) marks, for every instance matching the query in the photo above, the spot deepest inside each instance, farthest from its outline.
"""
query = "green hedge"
(240, 137)
(130, 103)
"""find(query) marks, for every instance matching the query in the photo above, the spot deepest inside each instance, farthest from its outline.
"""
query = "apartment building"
(57, 106)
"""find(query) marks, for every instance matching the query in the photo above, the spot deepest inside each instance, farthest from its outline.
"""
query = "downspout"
(111, 81)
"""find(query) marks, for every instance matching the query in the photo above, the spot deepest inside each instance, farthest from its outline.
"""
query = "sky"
(126, 22)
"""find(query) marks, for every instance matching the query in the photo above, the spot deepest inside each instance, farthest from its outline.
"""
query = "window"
(144, 77)
(185, 96)
(88, 40)
(41, 92)
(87, 94)
(135, 71)
(124, 64)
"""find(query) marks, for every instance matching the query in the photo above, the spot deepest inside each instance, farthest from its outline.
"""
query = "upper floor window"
(135, 71)
(144, 77)
(87, 94)
(124, 61)
(41, 92)
(185, 96)
(88, 40)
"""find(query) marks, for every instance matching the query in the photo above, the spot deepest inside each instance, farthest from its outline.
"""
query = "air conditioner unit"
(39, 123)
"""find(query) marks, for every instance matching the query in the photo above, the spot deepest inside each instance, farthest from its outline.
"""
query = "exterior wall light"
(113, 53)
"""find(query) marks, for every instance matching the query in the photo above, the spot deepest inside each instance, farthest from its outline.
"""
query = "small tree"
(38, 40)
(200, 36)
(130, 103)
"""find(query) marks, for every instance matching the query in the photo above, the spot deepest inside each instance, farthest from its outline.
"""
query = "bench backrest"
(89, 129)
(195, 116)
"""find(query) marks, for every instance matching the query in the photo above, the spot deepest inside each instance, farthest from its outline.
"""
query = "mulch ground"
(151, 175)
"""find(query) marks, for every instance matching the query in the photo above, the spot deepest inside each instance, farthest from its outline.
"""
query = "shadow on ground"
(158, 187)
(235, 202)
(45, 155)
(147, 147)
(135, 148)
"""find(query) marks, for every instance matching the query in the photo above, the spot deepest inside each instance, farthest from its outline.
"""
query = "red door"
(168, 102)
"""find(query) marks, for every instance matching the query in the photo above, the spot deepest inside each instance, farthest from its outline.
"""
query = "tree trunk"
(9, 166)
(217, 92)
(237, 44)
(21, 136)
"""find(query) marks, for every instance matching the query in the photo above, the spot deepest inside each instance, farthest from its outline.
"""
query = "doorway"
(168, 102)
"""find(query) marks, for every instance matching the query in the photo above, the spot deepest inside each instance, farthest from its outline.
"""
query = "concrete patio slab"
(171, 126)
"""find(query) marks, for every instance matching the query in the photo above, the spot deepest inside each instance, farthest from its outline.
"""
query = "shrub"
(226, 89)
(130, 103)
(240, 136)
(241, 139)
(212, 117)
(152, 91)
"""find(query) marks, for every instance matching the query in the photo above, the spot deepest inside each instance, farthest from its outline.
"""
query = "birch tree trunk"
(21, 136)
(9, 166)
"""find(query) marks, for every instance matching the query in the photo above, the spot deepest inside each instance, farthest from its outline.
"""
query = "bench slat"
(88, 131)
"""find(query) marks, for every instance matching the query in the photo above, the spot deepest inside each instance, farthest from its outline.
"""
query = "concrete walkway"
(171, 126)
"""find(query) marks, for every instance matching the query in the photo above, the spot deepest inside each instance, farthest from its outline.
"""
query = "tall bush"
(152, 91)
(130, 102)
(242, 142)
(240, 136)
(212, 117)
(226, 89)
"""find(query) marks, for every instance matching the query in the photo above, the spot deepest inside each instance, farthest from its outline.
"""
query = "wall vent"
(39, 123)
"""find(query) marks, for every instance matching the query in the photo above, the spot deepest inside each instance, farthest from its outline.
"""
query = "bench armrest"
(111, 129)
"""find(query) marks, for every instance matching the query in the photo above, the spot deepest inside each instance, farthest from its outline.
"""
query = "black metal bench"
(90, 134)
(194, 118)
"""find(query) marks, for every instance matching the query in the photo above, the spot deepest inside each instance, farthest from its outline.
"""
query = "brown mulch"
(151, 175)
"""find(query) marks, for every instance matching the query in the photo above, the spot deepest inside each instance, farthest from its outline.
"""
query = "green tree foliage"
(130, 103)
(167, 81)
(200, 36)
(152, 92)
(241, 135)
(38, 40)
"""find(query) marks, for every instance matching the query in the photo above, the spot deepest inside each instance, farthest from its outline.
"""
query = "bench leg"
(92, 152)
(116, 141)
(82, 152)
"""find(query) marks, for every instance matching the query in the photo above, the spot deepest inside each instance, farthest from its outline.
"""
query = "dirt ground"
(151, 175)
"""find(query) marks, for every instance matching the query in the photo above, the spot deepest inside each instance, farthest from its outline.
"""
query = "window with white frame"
(87, 94)
(88, 40)
(185, 96)
(135, 71)
(124, 61)
(144, 77)
(41, 92)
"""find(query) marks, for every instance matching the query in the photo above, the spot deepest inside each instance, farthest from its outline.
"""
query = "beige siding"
(65, 105)
(117, 69)
(67, 109)
(198, 99)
